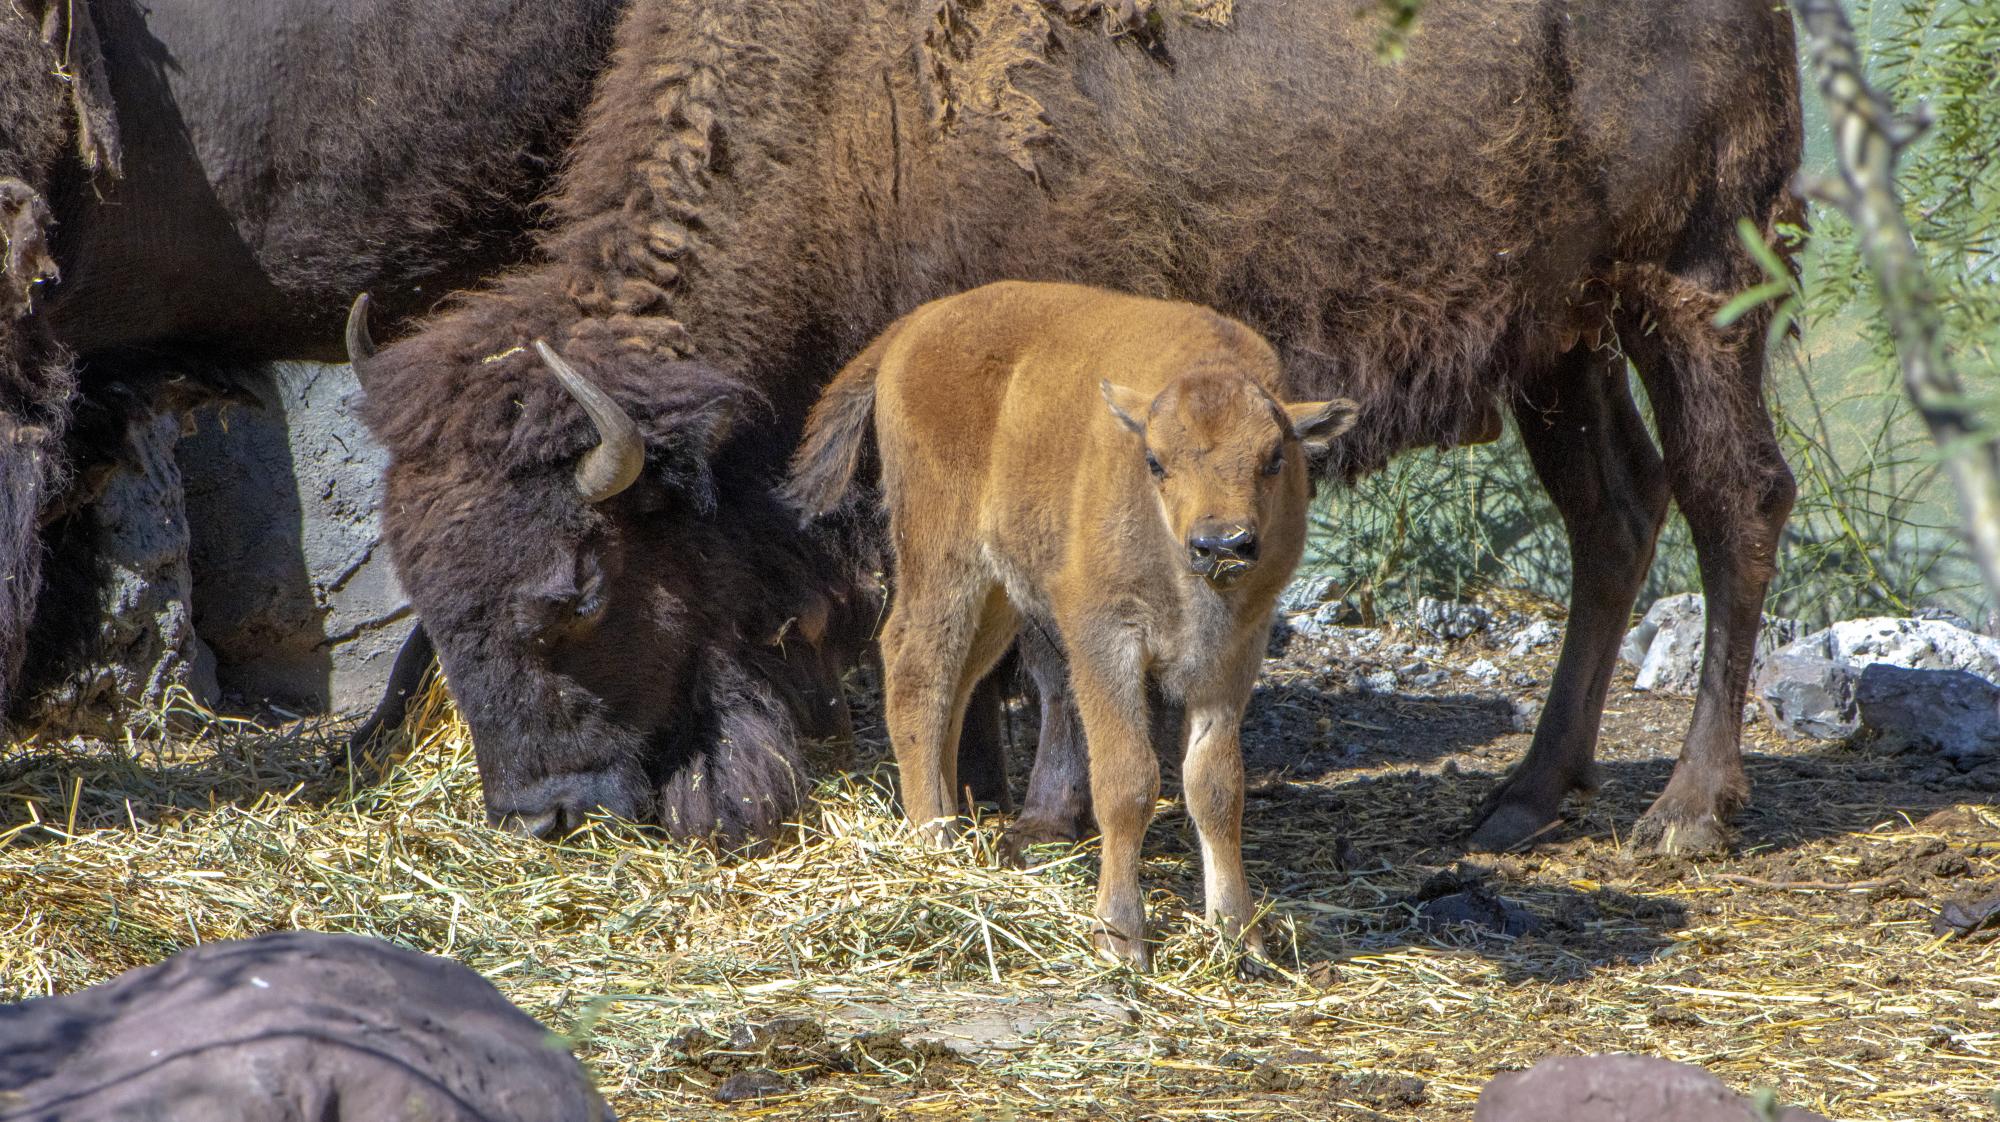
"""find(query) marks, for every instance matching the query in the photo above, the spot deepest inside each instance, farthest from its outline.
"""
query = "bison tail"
(829, 455)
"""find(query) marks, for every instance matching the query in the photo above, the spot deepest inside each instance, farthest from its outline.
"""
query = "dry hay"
(847, 972)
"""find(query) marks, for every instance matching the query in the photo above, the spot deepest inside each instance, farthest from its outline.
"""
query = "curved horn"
(620, 454)
(360, 347)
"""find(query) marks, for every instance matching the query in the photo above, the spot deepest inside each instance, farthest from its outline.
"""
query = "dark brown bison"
(1535, 192)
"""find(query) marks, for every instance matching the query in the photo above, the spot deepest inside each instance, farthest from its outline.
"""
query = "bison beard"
(764, 187)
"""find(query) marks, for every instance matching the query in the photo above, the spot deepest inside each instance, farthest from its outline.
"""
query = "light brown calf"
(1117, 468)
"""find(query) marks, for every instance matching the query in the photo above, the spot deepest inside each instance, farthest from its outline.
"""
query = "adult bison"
(1538, 190)
(200, 185)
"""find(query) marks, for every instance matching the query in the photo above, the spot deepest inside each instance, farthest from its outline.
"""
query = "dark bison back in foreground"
(1537, 187)
(293, 1025)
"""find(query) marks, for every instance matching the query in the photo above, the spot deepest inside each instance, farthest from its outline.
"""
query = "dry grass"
(872, 977)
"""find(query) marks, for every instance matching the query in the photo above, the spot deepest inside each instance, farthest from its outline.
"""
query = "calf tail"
(829, 455)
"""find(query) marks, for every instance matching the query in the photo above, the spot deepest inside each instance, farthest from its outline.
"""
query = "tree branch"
(1868, 137)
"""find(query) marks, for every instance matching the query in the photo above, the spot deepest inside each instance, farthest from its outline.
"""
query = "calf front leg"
(1212, 777)
(1124, 785)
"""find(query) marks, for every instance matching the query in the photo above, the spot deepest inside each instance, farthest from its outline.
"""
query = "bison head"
(1228, 464)
(611, 642)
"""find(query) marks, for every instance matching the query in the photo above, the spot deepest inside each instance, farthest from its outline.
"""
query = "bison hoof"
(1670, 834)
(1508, 826)
(1026, 833)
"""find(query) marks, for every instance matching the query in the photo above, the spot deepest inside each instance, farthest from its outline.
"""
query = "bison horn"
(360, 348)
(620, 455)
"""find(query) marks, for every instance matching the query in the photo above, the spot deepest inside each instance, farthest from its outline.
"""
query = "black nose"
(1209, 549)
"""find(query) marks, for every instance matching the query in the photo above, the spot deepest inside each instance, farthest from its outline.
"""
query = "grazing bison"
(1152, 531)
(1534, 192)
(211, 182)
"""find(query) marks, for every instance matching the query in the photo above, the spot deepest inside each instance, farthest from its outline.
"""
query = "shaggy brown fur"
(1152, 529)
(765, 186)
(36, 381)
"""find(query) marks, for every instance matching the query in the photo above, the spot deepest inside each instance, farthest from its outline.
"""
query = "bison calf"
(1113, 467)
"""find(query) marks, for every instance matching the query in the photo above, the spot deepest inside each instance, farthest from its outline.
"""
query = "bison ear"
(1318, 422)
(1127, 405)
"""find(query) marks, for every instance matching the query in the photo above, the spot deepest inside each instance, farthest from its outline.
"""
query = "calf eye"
(1276, 463)
(1153, 465)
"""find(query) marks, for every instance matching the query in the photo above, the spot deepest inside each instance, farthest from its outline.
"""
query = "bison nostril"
(541, 826)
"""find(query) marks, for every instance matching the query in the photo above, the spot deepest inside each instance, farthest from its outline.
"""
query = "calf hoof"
(1251, 966)
(1026, 833)
(940, 833)
(1122, 950)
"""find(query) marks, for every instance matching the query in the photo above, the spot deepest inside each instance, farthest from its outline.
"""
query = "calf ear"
(1126, 404)
(1318, 422)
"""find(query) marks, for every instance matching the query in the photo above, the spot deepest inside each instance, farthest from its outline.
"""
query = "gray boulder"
(1666, 645)
(1618, 1089)
(1916, 682)
(292, 590)
(139, 644)
(1451, 619)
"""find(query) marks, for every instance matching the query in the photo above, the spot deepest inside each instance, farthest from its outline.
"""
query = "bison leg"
(982, 744)
(945, 631)
(1057, 809)
(1212, 780)
(1124, 785)
(1591, 450)
(1731, 484)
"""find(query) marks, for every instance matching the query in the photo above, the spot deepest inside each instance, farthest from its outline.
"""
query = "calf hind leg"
(1592, 452)
(944, 632)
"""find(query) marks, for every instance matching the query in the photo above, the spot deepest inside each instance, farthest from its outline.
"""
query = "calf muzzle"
(1222, 553)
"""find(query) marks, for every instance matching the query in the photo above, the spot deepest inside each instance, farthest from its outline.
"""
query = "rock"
(1809, 696)
(1917, 682)
(1618, 1089)
(1478, 909)
(1667, 643)
(1965, 917)
(121, 566)
(1325, 621)
(1451, 619)
(756, 1083)
(291, 1025)
(1917, 644)
(291, 590)
(1535, 636)
(1381, 681)
(1953, 712)
(1483, 670)
(1306, 593)
(1459, 898)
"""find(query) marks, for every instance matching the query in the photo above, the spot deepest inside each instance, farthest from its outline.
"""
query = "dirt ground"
(848, 973)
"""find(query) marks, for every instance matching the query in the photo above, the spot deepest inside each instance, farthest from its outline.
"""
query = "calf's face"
(1228, 464)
